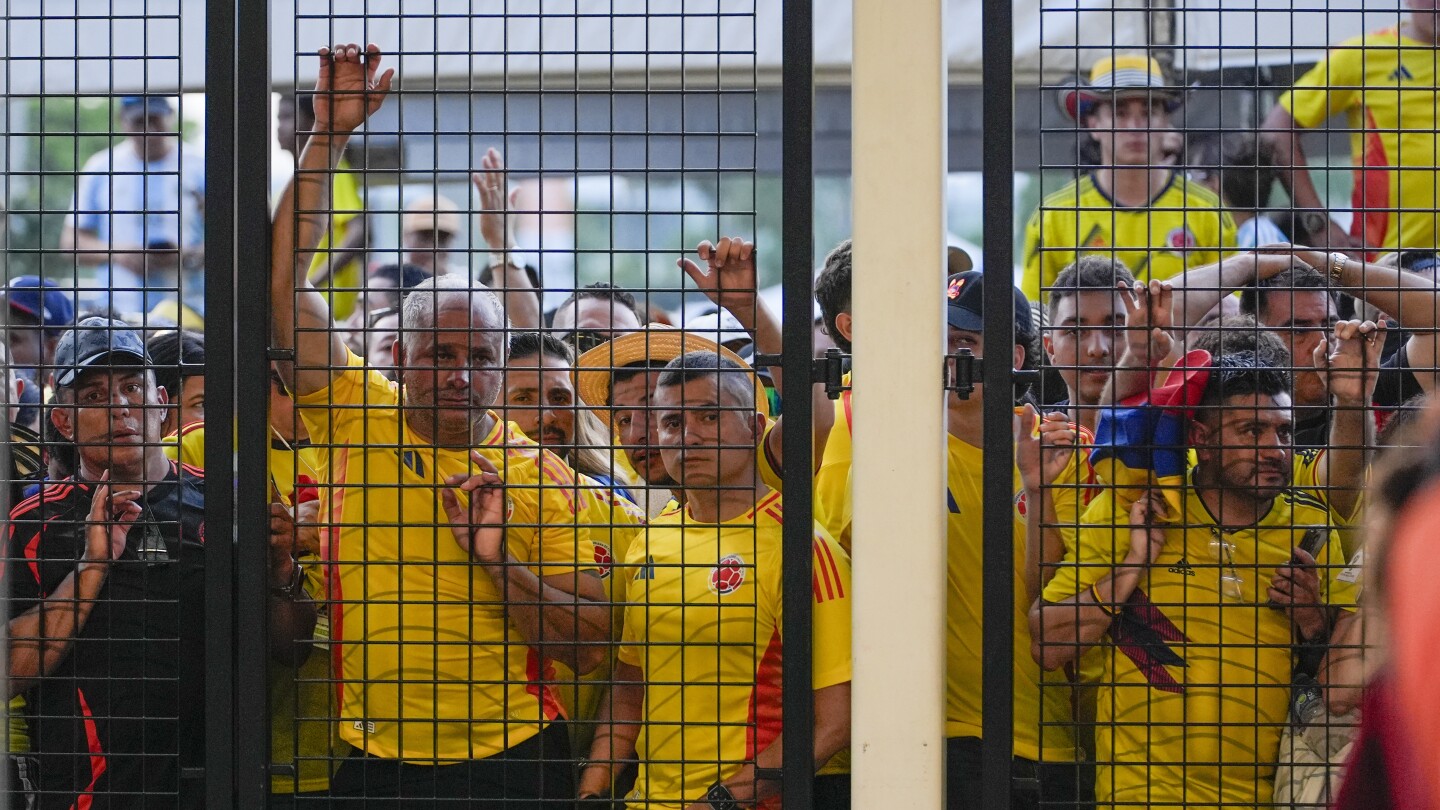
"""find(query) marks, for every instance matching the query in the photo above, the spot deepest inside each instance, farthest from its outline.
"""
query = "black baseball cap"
(95, 342)
(965, 306)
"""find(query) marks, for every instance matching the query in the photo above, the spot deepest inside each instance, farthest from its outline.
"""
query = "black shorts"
(537, 773)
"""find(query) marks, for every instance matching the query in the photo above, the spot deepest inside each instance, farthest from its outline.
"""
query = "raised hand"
(479, 530)
(1147, 536)
(494, 201)
(348, 91)
(1352, 368)
(1041, 455)
(1149, 320)
(111, 516)
(728, 278)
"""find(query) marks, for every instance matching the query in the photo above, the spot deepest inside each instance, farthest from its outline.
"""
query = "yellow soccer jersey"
(345, 206)
(831, 494)
(703, 621)
(186, 445)
(1042, 716)
(1196, 681)
(428, 666)
(614, 523)
(1385, 84)
(1184, 227)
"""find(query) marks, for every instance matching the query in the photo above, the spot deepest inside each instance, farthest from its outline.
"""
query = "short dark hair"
(526, 344)
(403, 276)
(1090, 272)
(1245, 165)
(605, 291)
(176, 355)
(1237, 334)
(1240, 374)
(731, 377)
(832, 291)
(1299, 277)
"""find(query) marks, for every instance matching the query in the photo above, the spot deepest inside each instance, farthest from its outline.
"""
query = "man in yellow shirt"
(1384, 83)
(1197, 612)
(699, 679)
(442, 624)
(1132, 206)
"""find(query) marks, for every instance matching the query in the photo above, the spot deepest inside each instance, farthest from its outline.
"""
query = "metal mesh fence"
(525, 282)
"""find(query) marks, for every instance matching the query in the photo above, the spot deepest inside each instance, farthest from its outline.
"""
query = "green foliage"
(50, 140)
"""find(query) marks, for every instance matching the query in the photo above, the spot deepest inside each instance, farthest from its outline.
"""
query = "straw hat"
(656, 343)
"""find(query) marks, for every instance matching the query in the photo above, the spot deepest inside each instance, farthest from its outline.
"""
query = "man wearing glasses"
(1197, 594)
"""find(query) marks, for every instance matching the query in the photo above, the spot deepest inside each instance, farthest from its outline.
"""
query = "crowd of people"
(528, 558)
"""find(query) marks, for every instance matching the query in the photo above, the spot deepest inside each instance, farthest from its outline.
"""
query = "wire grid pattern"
(1210, 490)
(103, 196)
(466, 673)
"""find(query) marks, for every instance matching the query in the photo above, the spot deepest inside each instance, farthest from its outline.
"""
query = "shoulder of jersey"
(1069, 192)
(53, 493)
(771, 506)
(191, 470)
(1202, 194)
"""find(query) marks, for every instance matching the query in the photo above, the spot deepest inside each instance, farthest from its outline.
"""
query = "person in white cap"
(428, 232)
(1133, 206)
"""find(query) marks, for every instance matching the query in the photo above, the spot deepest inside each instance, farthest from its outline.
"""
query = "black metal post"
(252, 385)
(997, 678)
(797, 249)
(220, 635)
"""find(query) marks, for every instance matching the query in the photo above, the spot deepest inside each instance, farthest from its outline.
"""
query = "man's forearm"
(562, 625)
(1352, 434)
(42, 636)
(1044, 546)
(618, 724)
(292, 627)
(1060, 630)
(1280, 132)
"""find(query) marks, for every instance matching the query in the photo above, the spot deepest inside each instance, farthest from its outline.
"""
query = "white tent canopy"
(124, 46)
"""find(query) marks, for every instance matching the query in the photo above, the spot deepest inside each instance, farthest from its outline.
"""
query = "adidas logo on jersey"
(646, 571)
(1402, 74)
(1182, 567)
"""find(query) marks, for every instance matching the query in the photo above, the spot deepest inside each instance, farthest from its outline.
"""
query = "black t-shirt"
(1394, 384)
(124, 710)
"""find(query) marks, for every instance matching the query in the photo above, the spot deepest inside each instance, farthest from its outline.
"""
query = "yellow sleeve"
(1326, 89)
(832, 481)
(1099, 544)
(830, 612)
(1338, 579)
(631, 649)
(351, 387)
(772, 472)
(1031, 282)
(345, 202)
(562, 543)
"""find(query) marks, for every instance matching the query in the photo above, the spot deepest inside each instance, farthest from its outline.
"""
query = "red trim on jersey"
(98, 763)
(1371, 197)
(763, 724)
(52, 492)
(828, 571)
(32, 553)
(559, 474)
(538, 674)
(766, 501)
(331, 554)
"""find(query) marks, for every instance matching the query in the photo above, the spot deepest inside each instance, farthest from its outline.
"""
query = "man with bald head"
(457, 562)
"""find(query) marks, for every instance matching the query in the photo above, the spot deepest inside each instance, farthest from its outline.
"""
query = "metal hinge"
(280, 355)
(964, 371)
(828, 370)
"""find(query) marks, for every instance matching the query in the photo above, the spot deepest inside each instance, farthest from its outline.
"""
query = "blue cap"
(41, 300)
(94, 342)
(149, 105)
(965, 306)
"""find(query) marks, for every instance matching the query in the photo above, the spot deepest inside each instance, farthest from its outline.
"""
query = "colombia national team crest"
(1180, 239)
(728, 576)
(604, 560)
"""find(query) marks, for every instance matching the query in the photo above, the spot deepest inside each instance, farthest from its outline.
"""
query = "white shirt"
(130, 203)
(1256, 231)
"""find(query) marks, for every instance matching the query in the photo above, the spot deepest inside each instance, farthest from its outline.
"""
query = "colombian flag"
(1143, 442)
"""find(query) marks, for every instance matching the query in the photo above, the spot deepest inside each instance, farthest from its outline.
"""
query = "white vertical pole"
(898, 478)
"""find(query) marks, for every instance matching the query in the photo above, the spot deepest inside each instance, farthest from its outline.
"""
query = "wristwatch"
(1337, 266)
(297, 579)
(720, 798)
